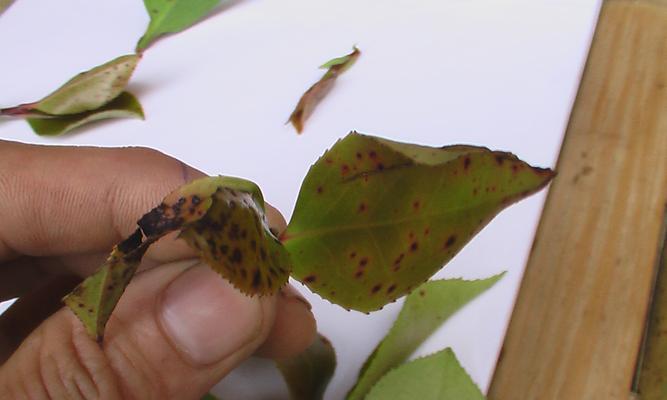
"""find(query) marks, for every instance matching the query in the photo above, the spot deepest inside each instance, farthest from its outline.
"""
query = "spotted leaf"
(321, 88)
(123, 106)
(424, 310)
(96, 297)
(308, 374)
(435, 377)
(91, 89)
(221, 217)
(375, 218)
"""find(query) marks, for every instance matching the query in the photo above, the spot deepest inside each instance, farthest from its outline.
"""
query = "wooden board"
(578, 323)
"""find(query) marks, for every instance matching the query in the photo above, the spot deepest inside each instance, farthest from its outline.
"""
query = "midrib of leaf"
(158, 21)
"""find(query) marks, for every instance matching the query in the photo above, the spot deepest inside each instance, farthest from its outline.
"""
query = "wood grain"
(578, 323)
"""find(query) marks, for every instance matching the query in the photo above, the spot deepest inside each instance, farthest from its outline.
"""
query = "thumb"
(175, 333)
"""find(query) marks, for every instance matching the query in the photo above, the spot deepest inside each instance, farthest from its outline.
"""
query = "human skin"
(179, 327)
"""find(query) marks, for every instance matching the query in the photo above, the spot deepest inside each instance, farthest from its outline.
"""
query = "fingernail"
(206, 318)
(289, 292)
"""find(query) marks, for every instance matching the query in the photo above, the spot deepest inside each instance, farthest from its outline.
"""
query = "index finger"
(58, 201)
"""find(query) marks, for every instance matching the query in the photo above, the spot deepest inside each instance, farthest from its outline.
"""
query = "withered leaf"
(221, 217)
(312, 97)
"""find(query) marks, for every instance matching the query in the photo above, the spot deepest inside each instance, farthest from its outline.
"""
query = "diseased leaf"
(170, 16)
(436, 377)
(90, 90)
(95, 298)
(123, 106)
(308, 374)
(375, 218)
(221, 217)
(425, 309)
(321, 88)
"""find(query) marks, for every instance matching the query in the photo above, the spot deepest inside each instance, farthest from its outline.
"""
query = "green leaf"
(123, 106)
(321, 88)
(221, 217)
(436, 377)
(308, 374)
(170, 16)
(346, 60)
(375, 218)
(424, 311)
(90, 90)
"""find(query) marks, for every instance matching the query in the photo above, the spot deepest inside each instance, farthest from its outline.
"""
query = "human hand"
(177, 330)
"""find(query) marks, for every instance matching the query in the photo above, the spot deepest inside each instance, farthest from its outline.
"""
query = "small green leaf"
(170, 16)
(92, 89)
(375, 218)
(346, 60)
(321, 88)
(308, 374)
(424, 311)
(123, 106)
(221, 217)
(436, 377)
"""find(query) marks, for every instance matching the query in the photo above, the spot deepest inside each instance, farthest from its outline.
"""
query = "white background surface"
(499, 74)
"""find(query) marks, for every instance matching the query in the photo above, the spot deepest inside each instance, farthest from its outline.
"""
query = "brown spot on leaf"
(344, 169)
(353, 254)
(416, 205)
(256, 279)
(372, 154)
(422, 293)
(320, 190)
(414, 246)
(427, 231)
(363, 262)
(391, 288)
(362, 207)
(399, 259)
(380, 166)
(499, 160)
(466, 162)
(310, 279)
(237, 256)
(359, 274)
(450, 241)
(376, 288)
(359, 156)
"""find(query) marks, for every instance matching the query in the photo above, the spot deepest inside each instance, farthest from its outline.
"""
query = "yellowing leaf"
(123, 106)
(221, 217)
(425, 309)
(90, 90)
(376, 218)
(169, 16)
(321, 88)
(436, 377)
(308, 374)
